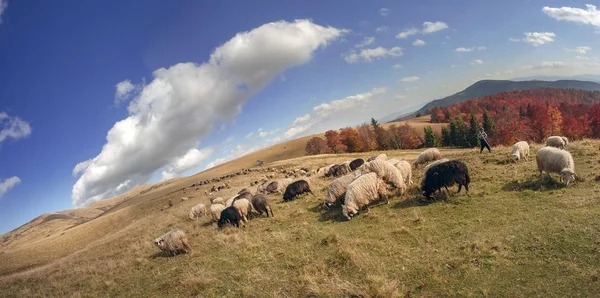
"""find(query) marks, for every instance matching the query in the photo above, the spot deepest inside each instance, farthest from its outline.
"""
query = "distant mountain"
(491, 87)
(403, 113)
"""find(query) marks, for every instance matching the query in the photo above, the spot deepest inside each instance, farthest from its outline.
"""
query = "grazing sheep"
(215, 211)
(261, 204)
(428, 155)
(406, 171)
(520, 149)
(363, 190)
(337, 189)
(378, 157)
(174, 242)
(339, 170)
(197, 211)
(557, 141)
(282, 184)
(554, 160)
(393, 161)
(230, 215)
(243, 206)
(295, 189)
(229, 202)
(445, 174)
(184, 199)
(252, 190)
(170, 203)
(218, 200)
(387, 172)
(356, 163)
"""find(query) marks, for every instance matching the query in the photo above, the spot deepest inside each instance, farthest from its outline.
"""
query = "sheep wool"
(520, 150)
(378, 157)
(428, 155)
(244, 207)
(363, 190)
(387, 172)
(406, 171)
(218, 200)
(173, 241)
(557, 141)
(197, 211)
(554, 160)
(215, 211)
(393, 161)
(337, 189)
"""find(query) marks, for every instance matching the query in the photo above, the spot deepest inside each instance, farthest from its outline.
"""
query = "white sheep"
(184, 199)
(557, 141)
(363, 190)
(520, 149)
(554, 160)
(230, 201)
(406, 171)
(244, 207)
(217, 200)
(173, 241)
(387, 172)
(337, 189)
(215, 211)
(282, 184)
(393, 161)
(426, 156)
(197, 211)
(381, 156)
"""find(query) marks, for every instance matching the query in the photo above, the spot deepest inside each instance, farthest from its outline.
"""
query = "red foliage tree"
(349, 137)
(367, 137)
(594, 118)
(334, 141)
(316, 146)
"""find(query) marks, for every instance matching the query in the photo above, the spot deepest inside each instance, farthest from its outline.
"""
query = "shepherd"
(483, 140)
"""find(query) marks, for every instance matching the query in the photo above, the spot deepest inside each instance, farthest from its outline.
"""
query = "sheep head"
(160, 243)
(567, 177)
(348, 212)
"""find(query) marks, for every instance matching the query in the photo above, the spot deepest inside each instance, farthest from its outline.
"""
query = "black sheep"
(444, 175)
(337, 171)
(261, 204)
(356, 163)
(295, 189)
(230, 215)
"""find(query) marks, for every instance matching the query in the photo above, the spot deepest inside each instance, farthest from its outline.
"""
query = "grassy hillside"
(512, 235)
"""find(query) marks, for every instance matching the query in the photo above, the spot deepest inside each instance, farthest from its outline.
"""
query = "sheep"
(363, 190)
(295, 189)
(218, 200)
(173, 241)
(261, 204)
(393, 161)
(406, 171)
(520, 149)
(184, 199)
(197, 211)
(215, 211)
(230, 215)
(252, 190)
(356, 163)
(377, 157)
(439, 161)
(170, 203)
(387, 172)
(322, 171)
(554, 160)
(557, 141)
(279, 186)
(229, 202)
(243, 206)
(443, 175)
(428, 155)
(337, 189)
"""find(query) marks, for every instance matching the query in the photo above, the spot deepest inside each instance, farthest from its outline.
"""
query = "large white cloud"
(538, 38)
(191, 159)
(182, 103)
(369, 55)
(430, 27)
(13, 127)
(8, 184)
(589, 16)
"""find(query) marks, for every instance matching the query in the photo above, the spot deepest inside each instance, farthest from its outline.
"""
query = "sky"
(99, 97)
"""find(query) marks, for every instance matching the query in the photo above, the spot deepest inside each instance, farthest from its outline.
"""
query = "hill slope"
(491, 87)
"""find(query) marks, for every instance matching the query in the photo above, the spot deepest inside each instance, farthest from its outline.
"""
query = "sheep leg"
(459, 187)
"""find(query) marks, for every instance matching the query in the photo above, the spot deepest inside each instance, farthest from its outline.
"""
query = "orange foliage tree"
(316, 146)
(349, 137)
(334, 141)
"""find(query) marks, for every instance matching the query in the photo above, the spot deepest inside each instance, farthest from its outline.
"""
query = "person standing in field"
(483, 140)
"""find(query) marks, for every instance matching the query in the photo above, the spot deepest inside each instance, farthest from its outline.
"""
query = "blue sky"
(203, 82)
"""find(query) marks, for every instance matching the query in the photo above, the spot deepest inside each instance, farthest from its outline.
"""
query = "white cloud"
(418, 43)
(183, 102)
(3, 5)
(547, 65)
(80, 167)
(124, 90)
(481, 48)
(581, 50)
(384, 11)
(249, 135)
(13, 127)
(409, 79)
(382, 29)
(325, 110)
(397, 66)
(538, 38)
(367, 41)
(369, 55)
(589, 16)
(582, 58)
(408, 32)
(514, 39)
(264, 133)
(8, 184)
(430, 27)
(464, 50)
(191, 159)
(477, 62)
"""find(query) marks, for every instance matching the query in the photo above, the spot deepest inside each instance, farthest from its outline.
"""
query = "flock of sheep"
(358, 182)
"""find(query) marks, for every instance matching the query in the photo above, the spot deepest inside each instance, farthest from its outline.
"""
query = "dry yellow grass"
(512, 236)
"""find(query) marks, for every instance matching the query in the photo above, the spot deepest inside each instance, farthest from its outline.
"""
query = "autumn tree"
(430, 139)
(316, 146)
(381, 136)
(334, 142)
(437, 115)
(367, 137)
(406, 136)
(594, 119)
(349, 137)
(539, 121)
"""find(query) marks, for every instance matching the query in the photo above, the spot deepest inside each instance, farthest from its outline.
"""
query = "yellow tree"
(555, 120)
